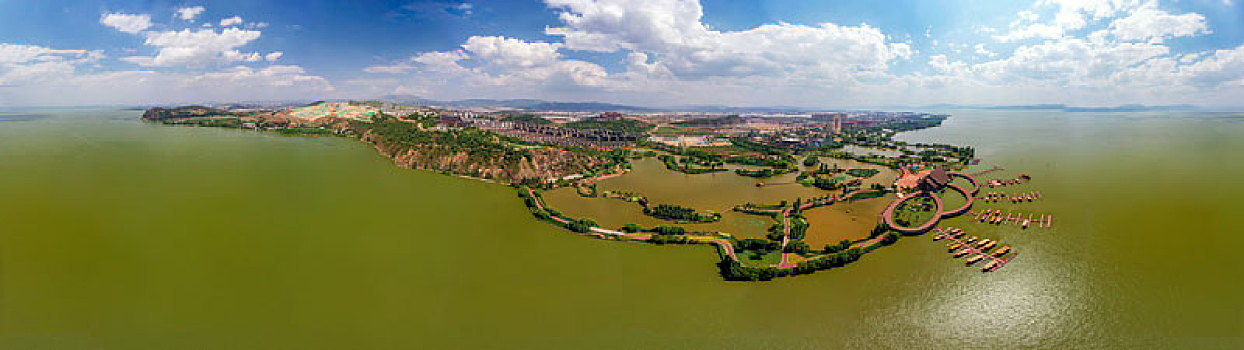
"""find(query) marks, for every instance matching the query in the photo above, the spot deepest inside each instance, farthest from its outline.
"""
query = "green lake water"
(115, 234)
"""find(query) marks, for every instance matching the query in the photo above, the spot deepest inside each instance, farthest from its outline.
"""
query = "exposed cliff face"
(469, 152)
(543, 164)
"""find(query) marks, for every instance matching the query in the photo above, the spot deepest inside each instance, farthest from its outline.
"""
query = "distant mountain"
(524, 104)
(1130, 108)
(585, 107)
(535, 105)
(741, 110)
(1028, 107)
(408, 100)
(1060, 107)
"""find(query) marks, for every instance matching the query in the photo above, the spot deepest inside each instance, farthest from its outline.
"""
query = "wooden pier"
(990, 260)
(1004, 182)
(995, 216)
(994, 197)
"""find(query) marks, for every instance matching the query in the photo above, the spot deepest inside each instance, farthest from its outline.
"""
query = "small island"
(835, 157)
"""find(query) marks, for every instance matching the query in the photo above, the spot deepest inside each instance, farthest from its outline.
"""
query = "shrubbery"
(733, 271)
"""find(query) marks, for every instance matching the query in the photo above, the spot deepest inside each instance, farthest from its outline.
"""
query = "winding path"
(600, 232)
(786, 264)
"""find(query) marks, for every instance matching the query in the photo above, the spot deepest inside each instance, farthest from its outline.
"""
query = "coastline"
(791, 263)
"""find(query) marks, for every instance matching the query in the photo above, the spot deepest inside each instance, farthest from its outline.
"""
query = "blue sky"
(646, 52)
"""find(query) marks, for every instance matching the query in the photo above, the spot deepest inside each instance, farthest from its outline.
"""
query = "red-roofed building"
(925, 180)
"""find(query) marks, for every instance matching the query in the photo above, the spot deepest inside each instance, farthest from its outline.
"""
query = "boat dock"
(995, 216)
(1004, 182)
(994, 197)
(978, 251)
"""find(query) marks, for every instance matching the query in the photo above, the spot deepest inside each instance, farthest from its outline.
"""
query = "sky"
(816, 54)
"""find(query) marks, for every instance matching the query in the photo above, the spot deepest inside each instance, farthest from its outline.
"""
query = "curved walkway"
(976, 186)
(600, 232)
(887, 215)
(966, 206)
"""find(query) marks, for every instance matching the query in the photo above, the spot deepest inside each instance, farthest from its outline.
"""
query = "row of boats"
(994, 216)
(1015, 181)
(975, 247)
(994, 197)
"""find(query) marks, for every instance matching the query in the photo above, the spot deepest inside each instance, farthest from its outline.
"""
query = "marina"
(1022, 178)
(995, 216)
(995, 197)
(978, 250)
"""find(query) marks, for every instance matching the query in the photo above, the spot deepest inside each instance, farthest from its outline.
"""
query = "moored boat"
(975, 259)
(991, 265)
(1002, 251)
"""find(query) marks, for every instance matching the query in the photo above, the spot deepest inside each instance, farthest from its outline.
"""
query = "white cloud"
(672, 57)
(271, 76)
(1061, 51)
(1027, 16)
(438, 58)
(1149, 23)
(1222, 66)
(127, 23)
(197, 47)
(502, 64)
(1075, 14)
(149, 87)
(24, 64)
(981, 50)
(1071, 15)
(231, 21)
(17, 53)
(673, 35)
(512, 52)
(37, 75)
(190, 13)
(397, 68)
(1068, 62)
(1033, 31)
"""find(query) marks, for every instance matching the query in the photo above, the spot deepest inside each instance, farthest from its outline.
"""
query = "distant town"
(606, 130)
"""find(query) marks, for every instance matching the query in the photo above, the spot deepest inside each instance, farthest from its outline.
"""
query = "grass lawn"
(771, 258)
(915, 211)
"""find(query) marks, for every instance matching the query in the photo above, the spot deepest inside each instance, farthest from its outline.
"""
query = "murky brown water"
(120, 235)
